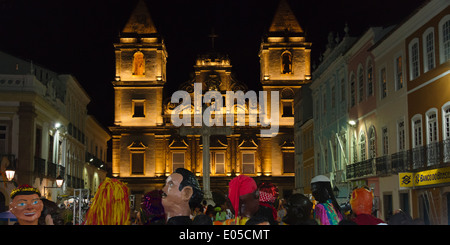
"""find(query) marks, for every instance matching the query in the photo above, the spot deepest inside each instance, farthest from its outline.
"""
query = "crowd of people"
(181, 202)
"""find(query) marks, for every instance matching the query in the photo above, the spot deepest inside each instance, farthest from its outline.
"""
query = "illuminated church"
(147, 147)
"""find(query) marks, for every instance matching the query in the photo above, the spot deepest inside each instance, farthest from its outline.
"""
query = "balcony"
(361, 169)
(45, 169)
(74, 182)
(430, 156)
(92, 160)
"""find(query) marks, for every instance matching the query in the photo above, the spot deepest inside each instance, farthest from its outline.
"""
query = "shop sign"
(424, 178)
(406, 180)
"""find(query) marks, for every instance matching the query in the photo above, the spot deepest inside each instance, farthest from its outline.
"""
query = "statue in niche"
(286, 63)
(138, 64)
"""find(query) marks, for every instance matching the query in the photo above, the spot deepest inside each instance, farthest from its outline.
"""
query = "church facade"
(147, 146)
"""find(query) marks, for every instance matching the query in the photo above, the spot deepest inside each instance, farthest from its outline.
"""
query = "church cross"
(212, 36)
(206, 132)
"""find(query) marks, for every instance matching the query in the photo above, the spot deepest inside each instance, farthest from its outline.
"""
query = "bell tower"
(141, 58)
(285, 60)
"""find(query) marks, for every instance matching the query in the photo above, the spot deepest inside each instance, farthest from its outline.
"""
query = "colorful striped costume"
(325, 214)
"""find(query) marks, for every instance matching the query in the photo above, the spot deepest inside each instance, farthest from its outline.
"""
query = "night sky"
(77, 37)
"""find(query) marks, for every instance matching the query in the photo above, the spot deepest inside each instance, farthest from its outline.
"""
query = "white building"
(43, 124)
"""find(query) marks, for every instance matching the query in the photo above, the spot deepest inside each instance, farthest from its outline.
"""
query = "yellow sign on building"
(406, 179)
(424, 178)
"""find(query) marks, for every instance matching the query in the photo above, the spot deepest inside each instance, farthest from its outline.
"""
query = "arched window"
(432, 137)
(369, 78)
(372, 143)
(360, 84)
(287, 100)
(414, 59)
(444, 38)
(428, 49)
(446, 131)
(432, 126)
(354, 149)
(138, 64)
(286, 62)
(362, 145)
(383, 82)
(417, 130)
(446, 121)
(352, 90)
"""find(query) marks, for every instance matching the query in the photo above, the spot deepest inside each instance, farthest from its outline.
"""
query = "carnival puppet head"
(299, 209)
(361, 201)
(244, 196)
(181, 193)
(26, 204)
(111, 204)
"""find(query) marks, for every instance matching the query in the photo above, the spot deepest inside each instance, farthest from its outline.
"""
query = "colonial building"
(363, 113)
(397, 114)
(427, 62)
(147, 146)
(43, 123)
(330, 109)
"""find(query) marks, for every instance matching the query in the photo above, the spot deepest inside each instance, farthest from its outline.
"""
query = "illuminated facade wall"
(427, 62)
(147, 147)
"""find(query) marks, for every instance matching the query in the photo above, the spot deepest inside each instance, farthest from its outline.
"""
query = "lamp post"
(59, 183)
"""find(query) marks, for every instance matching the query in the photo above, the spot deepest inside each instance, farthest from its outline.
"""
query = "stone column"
(25, 162)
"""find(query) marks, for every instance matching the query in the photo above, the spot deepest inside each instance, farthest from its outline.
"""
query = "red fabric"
(367, 219)
(266, 197)
(239, 186)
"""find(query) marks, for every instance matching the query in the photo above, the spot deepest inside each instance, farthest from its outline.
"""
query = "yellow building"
(147, 146)
(428, 64)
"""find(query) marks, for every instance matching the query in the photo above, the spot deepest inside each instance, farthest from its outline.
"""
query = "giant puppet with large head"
(361, 201)
(327, 211)
(26, 204)
(181, 193)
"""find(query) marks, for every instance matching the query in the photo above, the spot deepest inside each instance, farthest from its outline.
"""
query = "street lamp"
(59, 183)
(352, 123)
(10, 172)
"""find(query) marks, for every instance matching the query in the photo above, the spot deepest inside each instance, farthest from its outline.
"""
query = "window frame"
(361, 81)
(442, 48)
(362, 146)
(369, 76)
(184, 159)
(133, 108)
(426, 52)
(352, 90)
(254, 161)
(417, 131)
(414, 62)
(432, 131)
(383, 83)
(385, 140)
(399, 81)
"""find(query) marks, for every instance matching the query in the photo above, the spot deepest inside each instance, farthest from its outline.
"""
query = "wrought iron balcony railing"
(429, 156)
